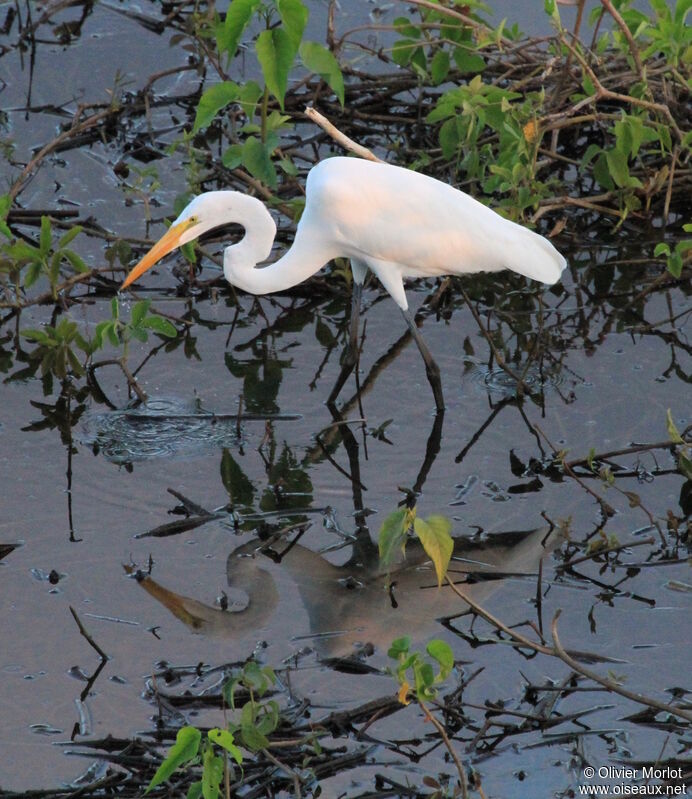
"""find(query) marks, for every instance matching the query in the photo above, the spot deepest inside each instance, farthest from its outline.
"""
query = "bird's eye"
(193, 220)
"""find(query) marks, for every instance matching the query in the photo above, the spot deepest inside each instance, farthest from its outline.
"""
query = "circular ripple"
(159, 428)
(496, 381)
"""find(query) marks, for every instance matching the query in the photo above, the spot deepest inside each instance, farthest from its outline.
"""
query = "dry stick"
(558, 652)
(83, 631)
(615, 14)
(440, 728)
(606, 94)
(293, 774)
(606, 551)
(601, 456)
(669, 190)
(89, 122)
(449, 12)
(339, 137)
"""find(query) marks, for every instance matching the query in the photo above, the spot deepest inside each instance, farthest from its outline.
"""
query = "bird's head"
(205, 212)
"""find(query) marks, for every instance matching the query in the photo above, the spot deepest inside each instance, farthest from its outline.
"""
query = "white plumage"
(390, 220)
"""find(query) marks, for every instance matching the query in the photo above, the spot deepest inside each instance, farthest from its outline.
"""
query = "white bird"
(387, 219)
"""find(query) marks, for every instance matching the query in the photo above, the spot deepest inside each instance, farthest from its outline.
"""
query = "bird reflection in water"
(345, 607)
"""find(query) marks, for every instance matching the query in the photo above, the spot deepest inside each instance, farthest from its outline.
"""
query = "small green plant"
(277, 47)
(26, 263)
(433, 533)
(56, 348)
(415, 672)
(140, 324)
(676, 257)
(420, 677)
(189, 749)
(257, 720)
(684, 455)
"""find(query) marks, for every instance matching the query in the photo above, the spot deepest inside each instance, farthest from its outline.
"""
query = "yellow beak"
(169, 241)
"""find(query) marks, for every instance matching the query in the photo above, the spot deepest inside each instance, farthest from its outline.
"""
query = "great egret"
(391, 220)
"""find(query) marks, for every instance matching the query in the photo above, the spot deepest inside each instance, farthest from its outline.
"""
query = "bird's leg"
(432, 370)
(351, 354)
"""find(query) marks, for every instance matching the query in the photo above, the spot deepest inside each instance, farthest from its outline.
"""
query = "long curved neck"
(307, 255)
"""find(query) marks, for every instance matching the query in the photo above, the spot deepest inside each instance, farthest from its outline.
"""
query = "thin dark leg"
(432, 370)
(351, 355)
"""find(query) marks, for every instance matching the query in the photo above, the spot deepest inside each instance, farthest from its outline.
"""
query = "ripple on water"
(496, 381)
(159, 428)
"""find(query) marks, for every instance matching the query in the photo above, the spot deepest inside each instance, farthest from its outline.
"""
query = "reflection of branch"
(522, 388)
(607, 509)
(474, 438)
(559, 652)
(83, 631)
(609, 684)
(131, 380)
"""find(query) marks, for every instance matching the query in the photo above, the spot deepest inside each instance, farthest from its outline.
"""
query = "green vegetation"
(585, 133)
(434, 533)
(256, 720)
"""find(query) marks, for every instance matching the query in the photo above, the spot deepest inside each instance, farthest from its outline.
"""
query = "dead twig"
(83, 631)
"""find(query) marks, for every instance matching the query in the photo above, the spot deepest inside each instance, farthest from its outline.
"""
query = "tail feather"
(531, 255)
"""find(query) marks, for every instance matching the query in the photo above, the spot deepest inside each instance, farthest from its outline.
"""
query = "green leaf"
(70, 236)
(601, 171)
(233, 156)
(248, 97)
(685, 465)
(32, 274)
(294, 16)
(450, 138)
(434, 535)
(23, 251)
(276, 53)
(224, 739)
(439, 66)
(238, 16)
(212, 101)
(392, 534)
(77, 262)
(253, 738)
(404, 50)
(675, 263)
(442, 653)
(468, 61)
(618, 167)
(212, 774)
(399, 647)
(662, 249)
(139, 311)
(673, 432)
(321, 61)
(257, 161)
(195, 790)
(186, 746)
(111, 330)
(235, 481)
(36, 335)
(46, 237)
(160, 325)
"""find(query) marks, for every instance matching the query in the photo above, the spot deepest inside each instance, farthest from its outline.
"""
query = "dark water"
(82, 483)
